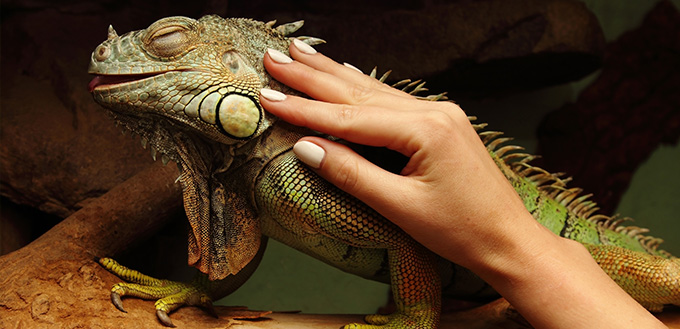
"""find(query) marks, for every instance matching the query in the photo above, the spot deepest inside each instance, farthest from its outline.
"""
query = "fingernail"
(303, 47)
(309, 153)
(352, 67)
(278, 56)
(272, 95)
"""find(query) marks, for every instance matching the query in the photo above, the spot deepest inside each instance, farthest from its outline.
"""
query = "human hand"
(451, 196)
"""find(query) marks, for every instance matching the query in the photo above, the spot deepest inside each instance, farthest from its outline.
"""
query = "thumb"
(350, 172)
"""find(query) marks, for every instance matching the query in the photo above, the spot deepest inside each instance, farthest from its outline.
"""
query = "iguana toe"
(377, 319)
(170, 295)
(395, 321)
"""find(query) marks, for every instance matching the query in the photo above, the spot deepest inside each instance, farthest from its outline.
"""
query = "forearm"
(555, 283)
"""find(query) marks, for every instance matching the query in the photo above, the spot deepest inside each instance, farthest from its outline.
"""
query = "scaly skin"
(651, 276)
(189, 88)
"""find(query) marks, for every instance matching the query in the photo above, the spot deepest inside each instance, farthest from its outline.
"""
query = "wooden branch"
(54, 278)
(54, 282)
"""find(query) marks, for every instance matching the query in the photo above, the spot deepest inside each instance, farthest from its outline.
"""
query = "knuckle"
(346, 175)
(436, 127)
(376, 84)
(359, 94)
(347, 112)
(456, 112)
(346, 116)
(436, 120)
(443, 117)
(452, 109)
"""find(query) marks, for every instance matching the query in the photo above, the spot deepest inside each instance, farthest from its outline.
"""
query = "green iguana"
(190, 89)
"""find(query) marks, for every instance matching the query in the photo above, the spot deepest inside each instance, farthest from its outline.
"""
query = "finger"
(350, 172)
(325, 86)
(307, 55)
(373, 126)
(401, 130)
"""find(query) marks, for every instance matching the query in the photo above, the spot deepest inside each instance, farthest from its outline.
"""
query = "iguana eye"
(169, 42)
(170, 37)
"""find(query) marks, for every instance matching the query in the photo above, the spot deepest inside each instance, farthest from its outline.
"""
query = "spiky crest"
(555, 187)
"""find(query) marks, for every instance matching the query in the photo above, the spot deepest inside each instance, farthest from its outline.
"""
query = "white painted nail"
(278, 56)
(309, 153)
(352, 67)
(303, 47)
(272, 95)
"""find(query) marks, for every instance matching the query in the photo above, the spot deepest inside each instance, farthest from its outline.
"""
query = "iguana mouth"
(110, 80)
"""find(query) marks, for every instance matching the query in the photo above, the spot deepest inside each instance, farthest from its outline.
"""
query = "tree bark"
(54, 280)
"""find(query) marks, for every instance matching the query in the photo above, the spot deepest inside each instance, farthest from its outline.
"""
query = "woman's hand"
(451, 197)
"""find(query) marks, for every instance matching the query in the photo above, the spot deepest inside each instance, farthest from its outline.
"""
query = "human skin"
(450, 197)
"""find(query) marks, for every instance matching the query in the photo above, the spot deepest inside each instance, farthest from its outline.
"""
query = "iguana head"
(190, 89)
(202, 75)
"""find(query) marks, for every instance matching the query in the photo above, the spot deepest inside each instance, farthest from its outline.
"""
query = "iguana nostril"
(102, 53)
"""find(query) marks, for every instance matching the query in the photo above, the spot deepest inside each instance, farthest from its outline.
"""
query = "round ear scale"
(239, 116)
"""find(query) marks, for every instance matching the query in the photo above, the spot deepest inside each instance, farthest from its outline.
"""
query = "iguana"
(190, 88)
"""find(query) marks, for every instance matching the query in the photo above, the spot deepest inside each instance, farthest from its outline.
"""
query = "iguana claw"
(115, 300)
(211, 310)
(164, 318)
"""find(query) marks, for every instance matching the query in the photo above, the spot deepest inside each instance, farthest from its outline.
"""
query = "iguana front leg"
(413, 278)
(302, 204)
(171, 295)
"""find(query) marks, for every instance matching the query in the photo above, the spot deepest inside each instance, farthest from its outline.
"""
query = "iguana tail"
(632, 259)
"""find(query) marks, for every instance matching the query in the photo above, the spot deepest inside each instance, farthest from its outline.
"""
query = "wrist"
(555, 283)
(510, 252)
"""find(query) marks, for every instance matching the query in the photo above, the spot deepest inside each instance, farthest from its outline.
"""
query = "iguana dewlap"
(190, 88)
